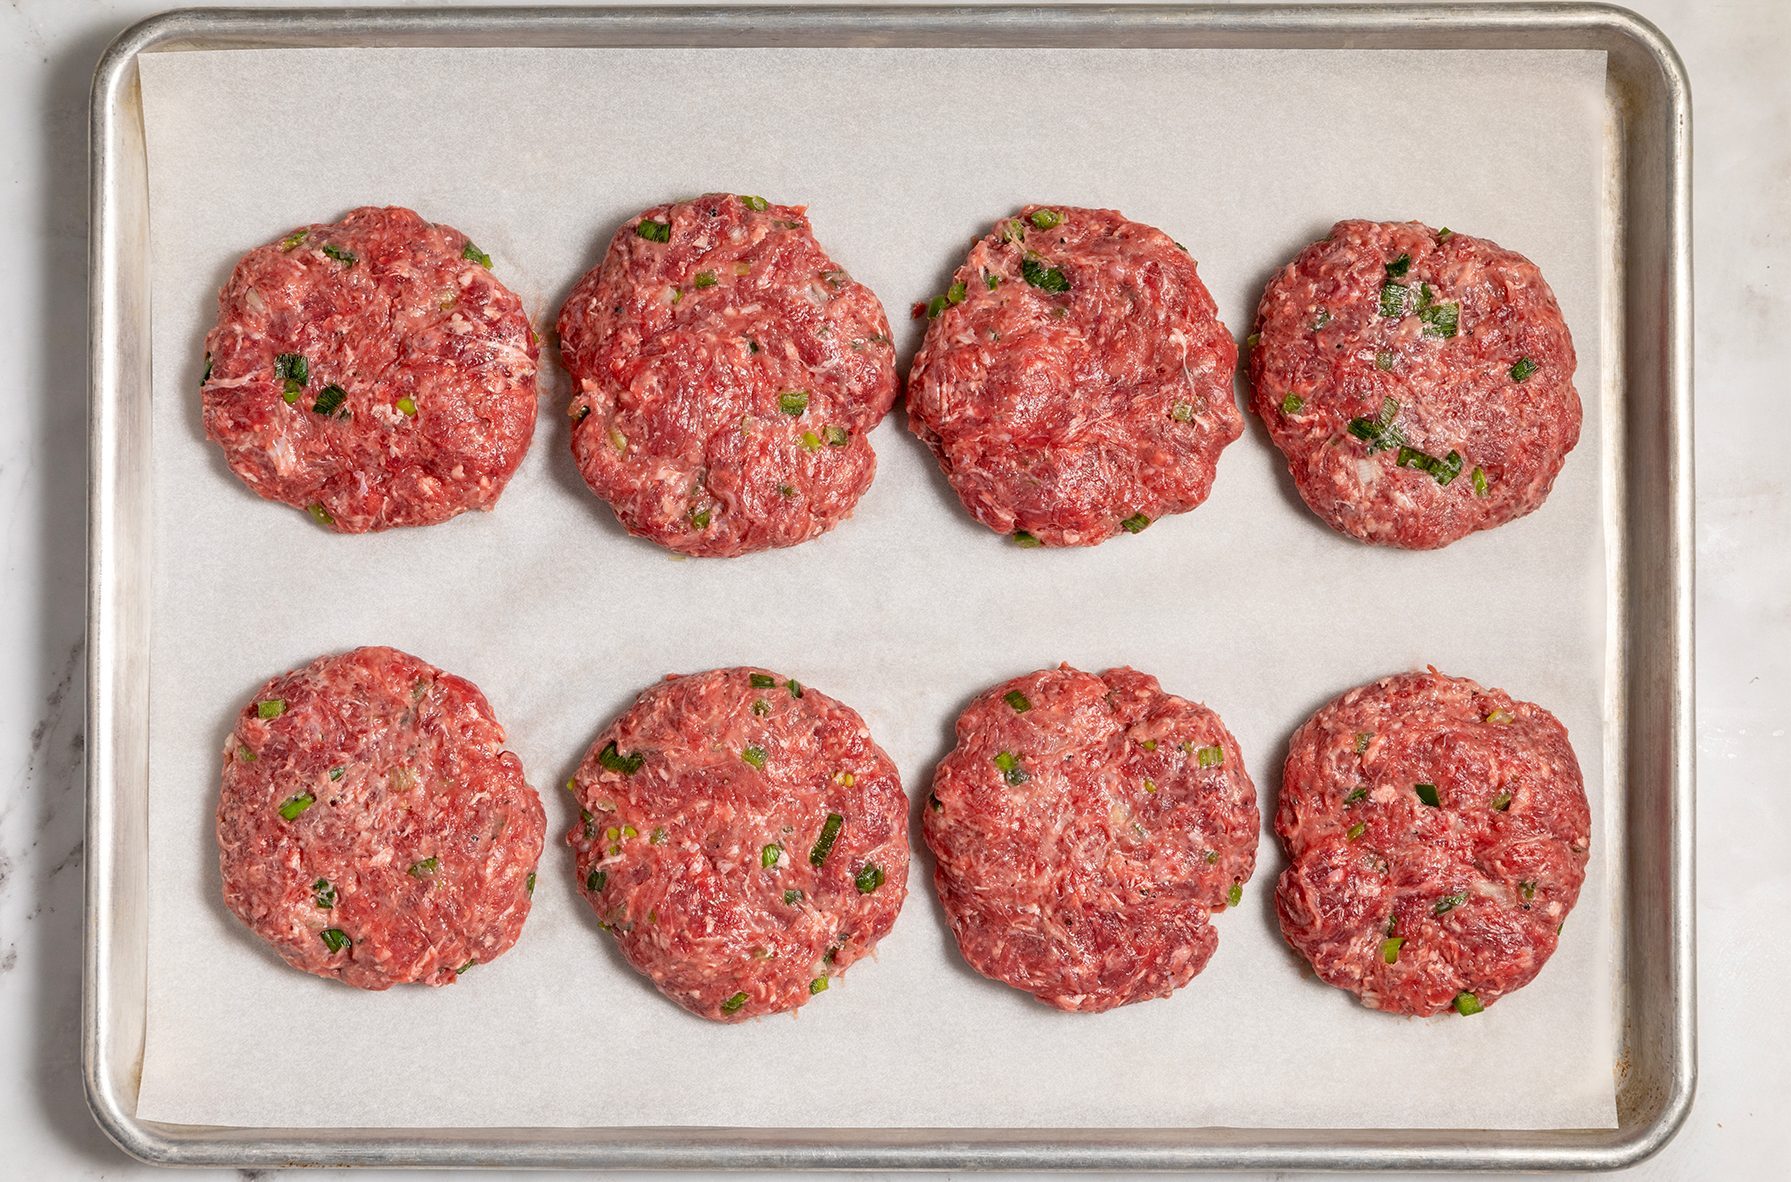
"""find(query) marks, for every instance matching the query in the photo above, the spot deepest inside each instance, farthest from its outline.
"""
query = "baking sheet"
(905, 612)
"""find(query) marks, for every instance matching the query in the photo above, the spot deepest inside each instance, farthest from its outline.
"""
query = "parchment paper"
(1249, 604)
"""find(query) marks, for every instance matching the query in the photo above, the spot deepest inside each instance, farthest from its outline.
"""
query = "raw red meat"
(743, 838)
(1075, 379)
(1086, 828)
(372, 372)
(1419, 382)
(726, 374)
(371, 826)
(1438, 835)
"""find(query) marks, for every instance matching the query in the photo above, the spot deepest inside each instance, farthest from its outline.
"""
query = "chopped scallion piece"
(244, 753)
(293, 371)
(1253, 340)
(613, 760)
(1363, 738)
(835, 436)
(1019, 701)
(770, 854)
(1428, 794)
(761, 680)
(1399, 266)
(425, 868)
(529, 883)
(596, 880)
(810, 441)
(1444, 235)
(793, 402)
(1045, 219)
(270, 708)
(992, 281)
(657, 837)
(1358, 794)
(1442, 470)
(206, 376)
(756, 204)
(293, 240)
(792, 896)
(1182, 412)
(473, 254)
(1527, 889)
(830, 831)
(1025, 540)
(700, 518)
(761, 707)
(407, 406)
(818, 985)
(319, 514)
(703, 279)
(1390, 949)
(1501, 802)
(869, 878)
(753, 757)
(344, 257)
(1383, 360)
(335, 939)
(1449, 903)
(794, 686)
(654, 231)
(1523, 369)
(955, 294)
(324, 892)
(1045, 278)
(329, 400)
(1212, 856)
(933, 802)
(1356, 830)
(1008, 764)
(1235, 895)
(1292, 404)
(1150, 786)
(1136, 523)
(732, 1005)
(1478, 476)
(935, 306)
(1393, 299)
(1209, 756)
(1467, 1003)
(1440, 320)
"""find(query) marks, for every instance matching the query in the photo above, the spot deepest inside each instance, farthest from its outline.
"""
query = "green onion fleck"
(1441, 470)
(270, 708)
(1292, 404)
(753, 756)
(244, 753)
(473, 254)
(329, 400)
(293, 371)
(1019, 701)
(424, 869)
(1253, 340)
(1212, 856)
(836, 436)
(934, 803)
(335, 939)
(1209, 756)
(1025, 540)
(703, 279)
(1467, 1003)
(344, 257)
(830, 831)
(1356, 830)
(792, 896)
(756, 204)
(1009, 765)
(1523, 369)
(992, 281)
(1182, 412)
(1035, 272)
(1399, 266)
(613, 760)
(1440, 320)
(1444, 235)
(1501, 802)
(1150, 786)
(529, 883)
(935, 306)
(596, 880)
(1501, 715)
(1383, 360)
(810, 441)
(1449, 903)
(733, 1004)
(761, 680)
(794, 686)
(770, 854)
(657, 837)
(1358, 794)
(1478, 476)
(319, 514)
(1363, 738)
(324, 892)
(293, 240)
(1390, 949)
(1428, 794)
(1045, 219)
(407, 406)
(955, 294)
(700, 518)
(206, 376)
(869, 878)
(818, 985)
(653, 231)
(793, 402)
(1235, 895)
(1136, 523)
(1393, 299)
(761, 707)
(1527, 889)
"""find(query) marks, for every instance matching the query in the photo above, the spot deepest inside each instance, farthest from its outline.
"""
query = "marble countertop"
(1736, 52)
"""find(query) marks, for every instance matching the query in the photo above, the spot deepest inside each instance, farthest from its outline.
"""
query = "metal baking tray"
(1647, 322)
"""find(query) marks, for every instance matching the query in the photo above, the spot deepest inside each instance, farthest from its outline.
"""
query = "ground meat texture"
(1085, 830)
(372, 372)
(371, 827)
(1075, 380)
(727, 373)
(1419, 382)
(743, 838)
(1437, 834)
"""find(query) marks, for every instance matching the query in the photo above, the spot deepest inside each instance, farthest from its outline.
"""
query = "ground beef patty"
(372, 372)
(1438, 834)
(1085, 829)
(1419, 382)
(372, 828)
(1075, 380)
(727, 372)
(743, 838)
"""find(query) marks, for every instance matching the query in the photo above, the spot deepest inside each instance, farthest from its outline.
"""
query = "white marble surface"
(1737, 52)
